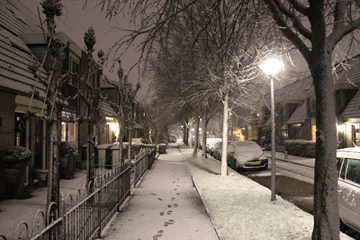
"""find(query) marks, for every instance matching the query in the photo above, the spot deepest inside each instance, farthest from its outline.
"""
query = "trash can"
(103, 154)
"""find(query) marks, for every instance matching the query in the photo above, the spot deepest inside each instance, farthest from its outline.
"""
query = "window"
(69, 133)
(74, 68)
(312, 105)
(353, 171)
(343, 169)
(338, 164)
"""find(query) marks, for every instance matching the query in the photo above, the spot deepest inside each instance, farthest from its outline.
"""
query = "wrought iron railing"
(143, 161)
(82, 215)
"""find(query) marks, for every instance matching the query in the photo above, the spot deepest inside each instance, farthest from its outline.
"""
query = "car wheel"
(266, 167)
(237, 165)
(343, 227)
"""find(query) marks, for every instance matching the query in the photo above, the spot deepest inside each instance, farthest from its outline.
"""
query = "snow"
(241, 208)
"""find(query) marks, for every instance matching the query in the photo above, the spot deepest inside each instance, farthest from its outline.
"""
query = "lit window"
(69, 133)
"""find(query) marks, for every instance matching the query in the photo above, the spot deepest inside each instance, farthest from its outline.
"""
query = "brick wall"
(7, 115)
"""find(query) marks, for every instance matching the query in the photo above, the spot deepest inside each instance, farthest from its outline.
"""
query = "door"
(38, 143)
(349, 193)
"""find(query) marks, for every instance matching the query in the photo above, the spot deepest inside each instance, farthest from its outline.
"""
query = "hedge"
(302, 148)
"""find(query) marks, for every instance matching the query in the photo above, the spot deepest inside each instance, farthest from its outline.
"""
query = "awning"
(299, 115)
(106, 110)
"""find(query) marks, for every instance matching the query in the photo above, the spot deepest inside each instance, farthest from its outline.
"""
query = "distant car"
(348, 165)
(246, 155)
(172, 139)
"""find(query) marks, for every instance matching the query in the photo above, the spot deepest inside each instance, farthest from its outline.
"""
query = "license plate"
(255, 163)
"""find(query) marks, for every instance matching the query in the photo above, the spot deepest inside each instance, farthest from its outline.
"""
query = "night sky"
(76, 20)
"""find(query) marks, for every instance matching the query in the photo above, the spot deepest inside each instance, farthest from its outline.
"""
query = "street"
(294, 182)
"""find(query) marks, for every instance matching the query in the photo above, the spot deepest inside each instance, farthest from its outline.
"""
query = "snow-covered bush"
(303, 148)
(66, 148)
(15, 155)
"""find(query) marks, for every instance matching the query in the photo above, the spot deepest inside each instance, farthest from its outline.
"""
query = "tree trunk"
(224, 170)
(204, 127)
(196, 144)
(186, 134)
(190, 133)
(129, 143)
(326, 211)
(120, 145)
(52, 130)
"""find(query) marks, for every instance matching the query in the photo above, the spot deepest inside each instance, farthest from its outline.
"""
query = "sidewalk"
(165, 205)
(14, 211)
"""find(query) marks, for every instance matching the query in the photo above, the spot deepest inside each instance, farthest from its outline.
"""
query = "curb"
(286, 160)
(207, 210)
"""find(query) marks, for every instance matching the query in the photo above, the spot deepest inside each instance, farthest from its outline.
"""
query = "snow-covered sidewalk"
(241, 208)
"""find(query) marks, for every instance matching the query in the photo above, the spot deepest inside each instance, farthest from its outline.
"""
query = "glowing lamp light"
(271, 66)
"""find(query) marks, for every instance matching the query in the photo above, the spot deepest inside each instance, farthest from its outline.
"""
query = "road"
(294, 183)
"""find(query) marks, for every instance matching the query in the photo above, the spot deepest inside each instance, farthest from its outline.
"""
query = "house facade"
(295, 108)
(23, 89)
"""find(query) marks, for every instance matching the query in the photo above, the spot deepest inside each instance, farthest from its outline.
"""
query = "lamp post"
(270, 68)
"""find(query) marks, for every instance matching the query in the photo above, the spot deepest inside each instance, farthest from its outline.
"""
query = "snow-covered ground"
(241, 208)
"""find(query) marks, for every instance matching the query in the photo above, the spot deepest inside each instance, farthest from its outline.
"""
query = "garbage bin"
(103, 155)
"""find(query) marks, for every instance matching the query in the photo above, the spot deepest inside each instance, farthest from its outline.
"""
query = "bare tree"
(52, 8)
(215, 31)
(315, 28)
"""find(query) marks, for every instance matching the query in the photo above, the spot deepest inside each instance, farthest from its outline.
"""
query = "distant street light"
(270, 68)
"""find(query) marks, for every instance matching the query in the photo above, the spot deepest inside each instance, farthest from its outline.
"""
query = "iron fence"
(82, 215)
(143, 161)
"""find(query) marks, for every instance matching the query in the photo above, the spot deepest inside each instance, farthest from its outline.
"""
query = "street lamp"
(270, 68)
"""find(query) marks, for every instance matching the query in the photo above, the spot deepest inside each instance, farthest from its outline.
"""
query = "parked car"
(217, 150)
(246, 155)
(210, 142)
(348, 165)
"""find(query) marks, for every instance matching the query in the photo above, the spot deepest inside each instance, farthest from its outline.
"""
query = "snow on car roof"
(352, 152)
(245, 143)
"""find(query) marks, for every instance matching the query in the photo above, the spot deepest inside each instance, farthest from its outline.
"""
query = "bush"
(15, 155)
(302, 148)
(66, 148)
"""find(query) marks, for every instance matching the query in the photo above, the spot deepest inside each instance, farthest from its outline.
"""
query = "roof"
(299, 115)
(352, 110)
(17, 18)
(106, 109)
(294, 92)
(15, 56)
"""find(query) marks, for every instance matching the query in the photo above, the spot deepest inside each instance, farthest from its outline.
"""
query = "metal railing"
(143, 161)
(82, 215)
(141, 165)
